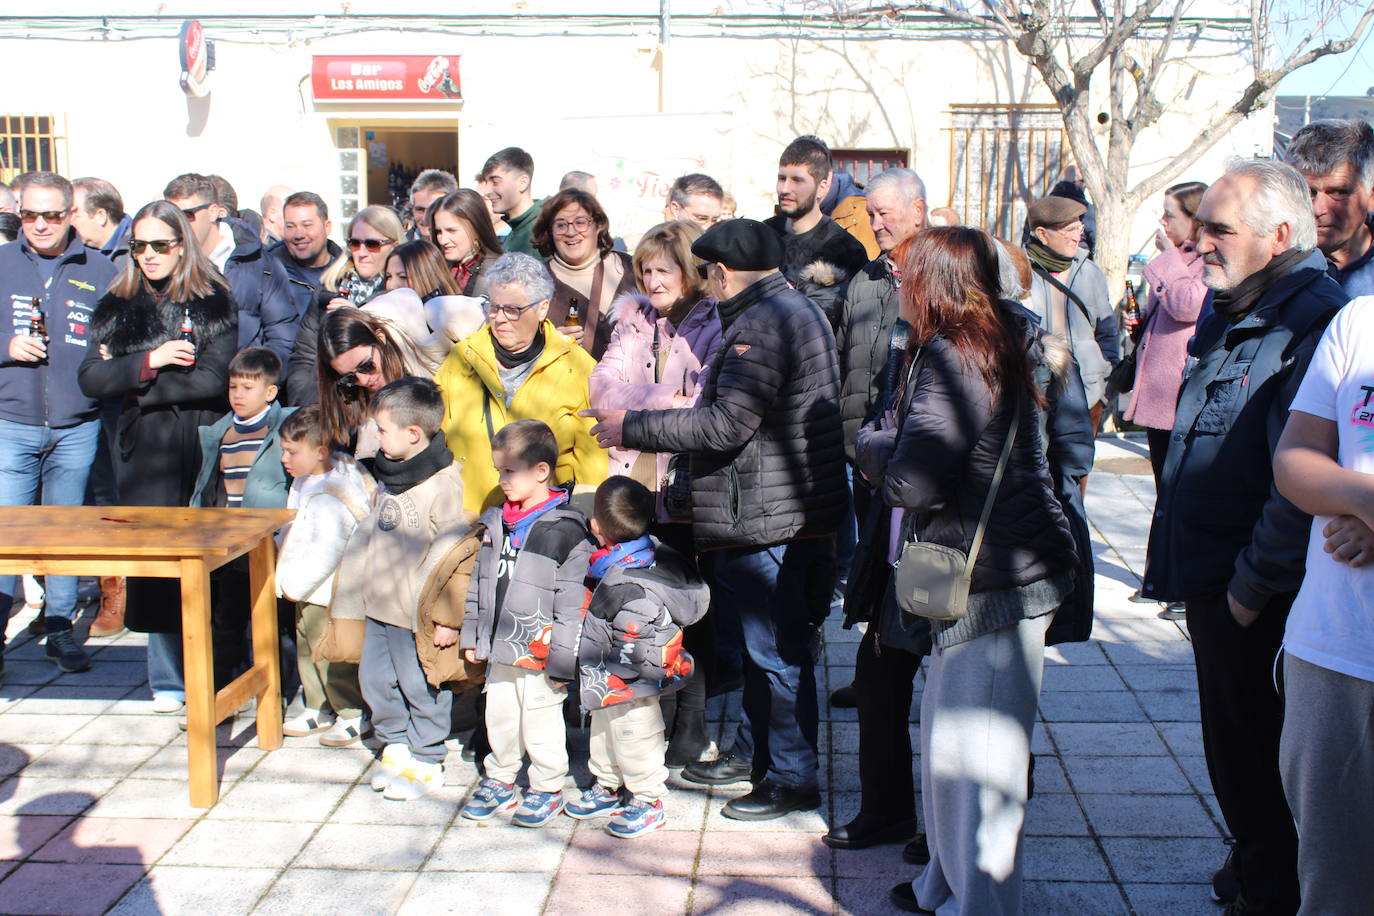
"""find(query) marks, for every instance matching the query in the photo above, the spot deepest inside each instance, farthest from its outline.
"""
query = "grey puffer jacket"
(631, 643)
(863, 338)
(538, 624)
(766, 442)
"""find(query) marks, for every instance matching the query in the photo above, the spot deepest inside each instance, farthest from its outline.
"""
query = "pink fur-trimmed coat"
(624, 378)
(1175, 299)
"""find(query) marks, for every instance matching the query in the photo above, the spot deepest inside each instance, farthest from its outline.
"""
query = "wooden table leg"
(266, 643)
(200, 683)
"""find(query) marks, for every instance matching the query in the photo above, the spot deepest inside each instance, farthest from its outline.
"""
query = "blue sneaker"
(637, 818)
(538, 809)
(598, 801)
(491, 797)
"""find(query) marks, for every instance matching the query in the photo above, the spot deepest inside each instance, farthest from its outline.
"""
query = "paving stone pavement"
(94, 816)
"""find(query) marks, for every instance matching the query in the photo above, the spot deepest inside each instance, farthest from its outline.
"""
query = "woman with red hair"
(966, 388)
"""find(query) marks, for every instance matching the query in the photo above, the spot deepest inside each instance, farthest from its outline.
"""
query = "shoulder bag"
(932, 580)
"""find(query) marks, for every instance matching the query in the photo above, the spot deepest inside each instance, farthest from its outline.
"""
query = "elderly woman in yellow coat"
(518, 367)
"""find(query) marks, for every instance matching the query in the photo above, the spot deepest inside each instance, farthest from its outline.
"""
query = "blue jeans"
(58, 461)
(165, 664)
(779, 593)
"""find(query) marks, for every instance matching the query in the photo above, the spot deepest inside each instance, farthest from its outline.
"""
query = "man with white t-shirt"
(1325, 465)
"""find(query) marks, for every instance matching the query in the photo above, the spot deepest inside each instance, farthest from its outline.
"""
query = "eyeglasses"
(159, 246)
(581, 224)
(508, 312)
(373, 245)
(51, 216)
(1069, 228)
(190, 212)
(347, 383)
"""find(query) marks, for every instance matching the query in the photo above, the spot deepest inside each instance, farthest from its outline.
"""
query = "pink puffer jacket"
(1176, 294)
(624, 378)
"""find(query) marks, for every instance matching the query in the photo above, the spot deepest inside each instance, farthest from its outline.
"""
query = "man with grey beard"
(1224, 541)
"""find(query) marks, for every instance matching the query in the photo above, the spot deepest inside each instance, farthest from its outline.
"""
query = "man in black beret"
(768, 494)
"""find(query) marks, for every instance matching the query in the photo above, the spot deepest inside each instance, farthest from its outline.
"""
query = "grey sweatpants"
(976, 719)
(1326, 758)
(405, 708)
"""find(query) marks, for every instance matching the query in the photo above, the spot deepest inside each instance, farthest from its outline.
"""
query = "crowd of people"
(551, 477)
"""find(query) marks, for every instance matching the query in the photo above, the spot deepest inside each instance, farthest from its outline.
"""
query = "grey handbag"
(932, 580)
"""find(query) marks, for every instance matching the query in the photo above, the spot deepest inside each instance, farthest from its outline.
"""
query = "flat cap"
(740, 244)
(1051, 211)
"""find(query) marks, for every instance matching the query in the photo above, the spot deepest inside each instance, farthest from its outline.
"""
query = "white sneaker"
(309, 722)
(167, 703)
(414, 780)
(394, 758)
(343, 733)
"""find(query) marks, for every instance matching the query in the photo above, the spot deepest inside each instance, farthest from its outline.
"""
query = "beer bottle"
(1132, 310)
(38, 326)
(574, 312)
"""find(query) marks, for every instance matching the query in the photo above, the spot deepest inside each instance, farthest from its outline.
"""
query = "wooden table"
(171, 543)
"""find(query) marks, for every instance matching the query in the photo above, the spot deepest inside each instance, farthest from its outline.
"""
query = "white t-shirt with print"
(1332, 621)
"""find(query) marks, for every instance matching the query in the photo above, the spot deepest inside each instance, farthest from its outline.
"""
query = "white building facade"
(334, 102)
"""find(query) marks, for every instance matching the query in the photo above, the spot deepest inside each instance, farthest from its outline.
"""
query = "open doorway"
(395, 155)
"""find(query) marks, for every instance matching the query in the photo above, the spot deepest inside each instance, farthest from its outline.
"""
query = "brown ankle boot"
(110, 620)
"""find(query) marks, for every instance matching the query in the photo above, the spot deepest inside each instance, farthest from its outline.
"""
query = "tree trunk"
(1113, 242)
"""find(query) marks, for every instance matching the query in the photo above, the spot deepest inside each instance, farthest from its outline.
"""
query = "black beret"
(740, 244)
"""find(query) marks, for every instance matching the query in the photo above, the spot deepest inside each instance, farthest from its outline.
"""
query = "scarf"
(635, 554)
(1233, 304)
(399, 476)
(360, 291)
(509, 360)
(520, 521)
(579, 277)
(1047, 259)
(462, 272)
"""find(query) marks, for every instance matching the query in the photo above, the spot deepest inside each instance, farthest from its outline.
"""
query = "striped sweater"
(241, 443)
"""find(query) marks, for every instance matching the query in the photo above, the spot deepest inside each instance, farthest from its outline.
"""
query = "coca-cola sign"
(197, 58)
(385, 78)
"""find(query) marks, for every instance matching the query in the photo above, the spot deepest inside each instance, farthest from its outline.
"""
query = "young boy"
(630, 654)
(523, 616)
(331, 495)
(241, 467)
(379, 581)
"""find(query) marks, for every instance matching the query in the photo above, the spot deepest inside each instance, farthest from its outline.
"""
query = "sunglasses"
(51, 216)
(190, 212)
(348, 382)
(370, 244)
(159, 246)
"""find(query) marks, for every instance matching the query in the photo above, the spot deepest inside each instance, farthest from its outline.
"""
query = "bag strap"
(1054, 281)
(486, 412)
(992, 492)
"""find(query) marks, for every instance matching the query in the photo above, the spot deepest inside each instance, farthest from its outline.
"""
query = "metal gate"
(31, 143)
(1001, 157)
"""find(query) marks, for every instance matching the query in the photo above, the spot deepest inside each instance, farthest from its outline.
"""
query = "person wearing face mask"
(658, 356)
(574, 235)
(462, 230)
(357, 275)
(139, 352)
(1223, 541)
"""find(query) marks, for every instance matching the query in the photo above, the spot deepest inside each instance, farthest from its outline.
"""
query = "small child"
(523, 615)
(331, 495)
(642, 594)
(380, 578)
(241, 467)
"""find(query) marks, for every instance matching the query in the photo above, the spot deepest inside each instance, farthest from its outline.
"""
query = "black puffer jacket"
(941, 467)
(863, 338)
(766, 443)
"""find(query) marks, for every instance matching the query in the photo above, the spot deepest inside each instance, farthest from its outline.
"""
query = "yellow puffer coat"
(554, 392)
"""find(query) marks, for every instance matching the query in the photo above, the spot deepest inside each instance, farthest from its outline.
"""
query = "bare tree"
(1137, 52)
